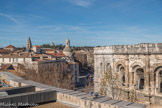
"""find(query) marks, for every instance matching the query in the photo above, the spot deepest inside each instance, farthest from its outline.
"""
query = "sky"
(85, 22)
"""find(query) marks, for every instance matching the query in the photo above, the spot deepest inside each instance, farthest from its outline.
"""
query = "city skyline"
(85, 22)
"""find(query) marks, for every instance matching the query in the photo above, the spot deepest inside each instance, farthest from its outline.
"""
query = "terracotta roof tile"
(10, 46)
(49, 49)
(58, 54)
(4, 51)
(37, 46)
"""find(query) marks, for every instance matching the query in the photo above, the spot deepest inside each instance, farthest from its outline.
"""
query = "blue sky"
(85, 22)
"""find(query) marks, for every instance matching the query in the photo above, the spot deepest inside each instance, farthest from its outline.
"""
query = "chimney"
(41, 57)
(20, 54)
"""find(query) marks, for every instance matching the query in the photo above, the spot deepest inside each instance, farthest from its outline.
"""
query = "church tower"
(67, 50)
(52, 45)
(28, 44)
(68, 43)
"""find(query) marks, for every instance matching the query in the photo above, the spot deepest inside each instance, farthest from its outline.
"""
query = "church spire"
(52, 44)
(68, 42)
(28, 44)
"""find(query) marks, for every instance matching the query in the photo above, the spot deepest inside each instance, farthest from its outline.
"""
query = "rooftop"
(10, 46)
(58, 54)
(37, 46)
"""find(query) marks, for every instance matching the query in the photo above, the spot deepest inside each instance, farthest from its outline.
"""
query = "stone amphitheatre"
(139, 69)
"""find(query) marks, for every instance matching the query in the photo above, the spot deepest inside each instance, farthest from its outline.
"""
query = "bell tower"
(28, 44)
(68, 43)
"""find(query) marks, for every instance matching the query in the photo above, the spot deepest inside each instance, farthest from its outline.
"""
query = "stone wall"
(136, 63)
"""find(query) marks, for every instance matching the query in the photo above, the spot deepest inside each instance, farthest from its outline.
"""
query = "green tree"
(109, 84)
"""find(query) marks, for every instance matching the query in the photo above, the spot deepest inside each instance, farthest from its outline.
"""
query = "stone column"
(130, 79)
(96, 70)
(152, 82)
(147, 73)
(127, 78)
(135, 80)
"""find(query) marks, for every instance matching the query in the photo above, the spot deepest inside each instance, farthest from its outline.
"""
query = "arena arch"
(107, 67)
(141, 64)
(120, 69)
(138, 77)
(158, 79)
(161, 87)
(119, 63)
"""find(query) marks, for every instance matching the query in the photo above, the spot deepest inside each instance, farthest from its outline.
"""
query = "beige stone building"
(139, 69)
(35, 55)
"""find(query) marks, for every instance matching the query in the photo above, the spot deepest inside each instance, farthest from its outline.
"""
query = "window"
(9, 59)
(123, 78)
(75, 73)
(2, 59)
(75, 79)
(16, 59)
(141, 84)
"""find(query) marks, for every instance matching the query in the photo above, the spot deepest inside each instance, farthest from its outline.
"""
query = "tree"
(109, 84)
(132, 96)
(54, 74)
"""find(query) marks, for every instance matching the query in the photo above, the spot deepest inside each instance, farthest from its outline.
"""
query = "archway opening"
(158, 79)
(108, 67)
(138, 77)
(140, 74)
(121, 73)
(123, 79)
(160, 73)
(161, 87)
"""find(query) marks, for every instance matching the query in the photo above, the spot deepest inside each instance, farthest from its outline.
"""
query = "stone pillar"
(135, 80)
(130, 80)
(147, 74)
(96, 70)
(127, 78)
(152, 82)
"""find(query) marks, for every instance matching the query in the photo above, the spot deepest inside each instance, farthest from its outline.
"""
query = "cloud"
(82, 3)
(9, 17)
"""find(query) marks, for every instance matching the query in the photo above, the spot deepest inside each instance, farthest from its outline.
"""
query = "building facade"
(139, 69)
(35, 55)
